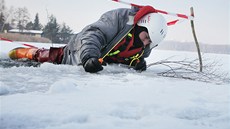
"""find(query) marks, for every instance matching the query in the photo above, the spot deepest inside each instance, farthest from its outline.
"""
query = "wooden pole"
(196, 41)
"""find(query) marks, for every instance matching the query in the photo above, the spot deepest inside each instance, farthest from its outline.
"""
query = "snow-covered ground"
(65, 97)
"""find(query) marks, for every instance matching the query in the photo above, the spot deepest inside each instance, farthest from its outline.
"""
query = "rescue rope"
(136, 57)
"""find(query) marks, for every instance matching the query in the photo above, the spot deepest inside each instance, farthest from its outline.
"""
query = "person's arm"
(96, 36)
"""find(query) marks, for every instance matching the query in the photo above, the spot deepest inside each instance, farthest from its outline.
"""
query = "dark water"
(8, 63)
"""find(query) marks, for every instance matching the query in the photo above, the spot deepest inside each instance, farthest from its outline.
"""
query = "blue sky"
(212, 17)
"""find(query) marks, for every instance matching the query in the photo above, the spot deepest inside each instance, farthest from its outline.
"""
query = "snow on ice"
(65, 97)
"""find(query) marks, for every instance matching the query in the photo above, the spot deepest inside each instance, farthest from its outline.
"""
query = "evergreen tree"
(65, 34)
(30, 25)
(51, 29)
(3, 25)
(37, 25)
(2, 21)
(2, 17)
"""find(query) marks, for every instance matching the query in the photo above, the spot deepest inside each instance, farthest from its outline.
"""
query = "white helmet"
(156, 26)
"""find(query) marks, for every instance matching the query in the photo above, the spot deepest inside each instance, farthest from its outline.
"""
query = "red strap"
(28, 45)
(120, 44)
(5, 39)
(129, 53)
(142, 12)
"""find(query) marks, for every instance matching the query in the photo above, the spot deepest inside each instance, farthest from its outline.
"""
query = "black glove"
(92, 65)
(140, 65)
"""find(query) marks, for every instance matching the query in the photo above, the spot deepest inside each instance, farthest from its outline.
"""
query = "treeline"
(190, 46)
(19, 18)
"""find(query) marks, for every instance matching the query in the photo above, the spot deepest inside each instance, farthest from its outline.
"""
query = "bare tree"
(2, 5)
(6, 16)
(187, 69)
(21, 17)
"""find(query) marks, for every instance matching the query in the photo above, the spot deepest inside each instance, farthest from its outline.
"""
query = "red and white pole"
(175, 22)
(157, 10)
(176, 14)
(127, 3)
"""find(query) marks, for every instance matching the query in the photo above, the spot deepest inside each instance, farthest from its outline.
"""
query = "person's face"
(144, 36)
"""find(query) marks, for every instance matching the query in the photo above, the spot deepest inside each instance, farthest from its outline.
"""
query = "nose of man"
(144, 36)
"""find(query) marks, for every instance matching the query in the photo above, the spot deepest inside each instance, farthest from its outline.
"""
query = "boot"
(20, 52)
(53, 55)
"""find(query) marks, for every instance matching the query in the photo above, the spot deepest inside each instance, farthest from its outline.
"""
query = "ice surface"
(65, 97)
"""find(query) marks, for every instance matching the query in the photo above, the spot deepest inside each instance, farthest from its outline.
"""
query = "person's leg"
(41, 55)
(53, 55)
(56, 55)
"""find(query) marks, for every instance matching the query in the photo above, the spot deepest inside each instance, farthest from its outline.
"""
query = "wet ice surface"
(52, 96)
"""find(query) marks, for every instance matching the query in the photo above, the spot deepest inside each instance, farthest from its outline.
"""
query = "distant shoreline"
(190, 46)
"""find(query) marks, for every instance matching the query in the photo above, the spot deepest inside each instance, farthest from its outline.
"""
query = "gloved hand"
(141, 65)
(92, 65)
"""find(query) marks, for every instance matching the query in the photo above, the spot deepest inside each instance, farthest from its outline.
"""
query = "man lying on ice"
(124, 36)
